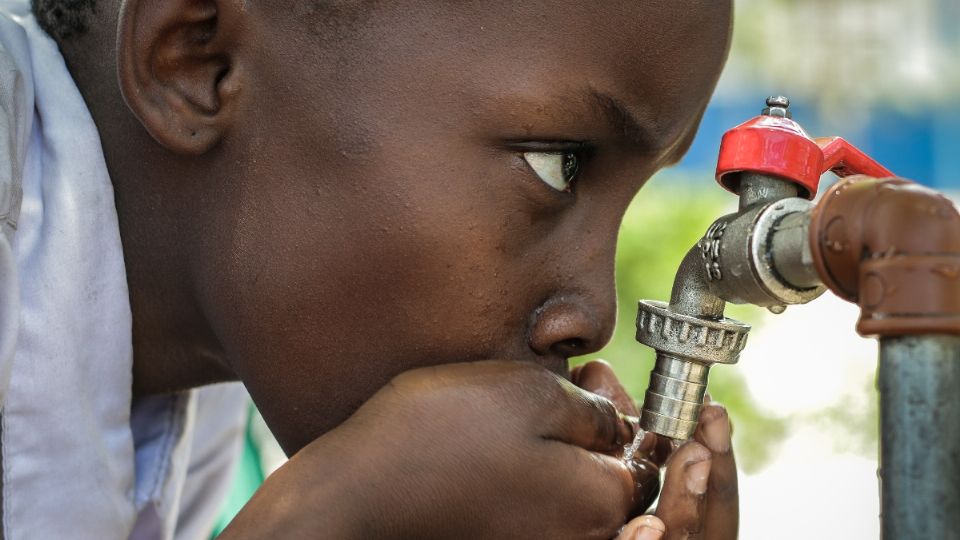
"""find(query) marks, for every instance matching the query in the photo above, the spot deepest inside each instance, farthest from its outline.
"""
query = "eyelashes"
(556, 169)
(556, 163)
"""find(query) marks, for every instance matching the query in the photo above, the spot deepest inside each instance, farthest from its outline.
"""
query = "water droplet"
(630, 450)
(675, 445)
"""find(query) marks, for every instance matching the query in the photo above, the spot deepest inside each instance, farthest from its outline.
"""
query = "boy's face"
(392, 208)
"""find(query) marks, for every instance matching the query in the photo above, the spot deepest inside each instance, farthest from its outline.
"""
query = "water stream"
(630, 450)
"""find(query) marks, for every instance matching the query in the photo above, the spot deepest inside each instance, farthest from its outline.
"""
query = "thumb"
(643, 528)
(683, 499)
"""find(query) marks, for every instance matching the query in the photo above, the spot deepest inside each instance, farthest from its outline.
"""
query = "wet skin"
(315, 201)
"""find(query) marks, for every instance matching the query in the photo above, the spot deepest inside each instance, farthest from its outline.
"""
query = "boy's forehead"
(541, 67)
(639, 43)
(596, 25)
(625, 61)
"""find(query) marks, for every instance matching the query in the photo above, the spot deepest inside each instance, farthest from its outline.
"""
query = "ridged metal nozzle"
(686, 348)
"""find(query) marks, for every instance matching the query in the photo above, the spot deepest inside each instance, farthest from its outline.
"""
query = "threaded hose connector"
(686, 348)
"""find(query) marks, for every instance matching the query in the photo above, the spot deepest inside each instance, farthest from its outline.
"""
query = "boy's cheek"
(411, 278)
(344, 270)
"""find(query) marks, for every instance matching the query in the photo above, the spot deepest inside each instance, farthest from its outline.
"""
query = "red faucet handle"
(770, 145)
(773, 144)
(845, 159)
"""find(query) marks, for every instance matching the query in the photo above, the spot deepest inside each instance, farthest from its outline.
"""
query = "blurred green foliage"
(853, 422)
(667, 218)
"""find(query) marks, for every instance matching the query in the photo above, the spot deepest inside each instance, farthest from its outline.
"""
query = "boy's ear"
(176, 68)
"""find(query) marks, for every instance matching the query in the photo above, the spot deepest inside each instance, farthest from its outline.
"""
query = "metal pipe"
(790, 251)
(756, 188)
(893, 247)
(918, 379)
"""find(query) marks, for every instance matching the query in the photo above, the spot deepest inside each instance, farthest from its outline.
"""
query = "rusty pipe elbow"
(893, 247)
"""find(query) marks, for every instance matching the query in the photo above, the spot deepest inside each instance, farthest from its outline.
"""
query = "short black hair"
(63, 19)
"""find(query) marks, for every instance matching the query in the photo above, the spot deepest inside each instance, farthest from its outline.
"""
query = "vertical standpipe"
(919, 381)
(893, 247)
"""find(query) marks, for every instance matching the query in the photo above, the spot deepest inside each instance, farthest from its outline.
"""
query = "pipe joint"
(892, 247)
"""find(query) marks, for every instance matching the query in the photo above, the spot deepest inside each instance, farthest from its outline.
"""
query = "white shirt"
(80, 459)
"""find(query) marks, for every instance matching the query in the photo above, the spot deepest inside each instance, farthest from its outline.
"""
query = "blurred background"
(885, 75)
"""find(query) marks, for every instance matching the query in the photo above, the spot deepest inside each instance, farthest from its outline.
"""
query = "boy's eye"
(556, 169)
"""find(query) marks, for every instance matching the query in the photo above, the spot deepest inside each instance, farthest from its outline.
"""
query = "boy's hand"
(478, 450)
(699, 498)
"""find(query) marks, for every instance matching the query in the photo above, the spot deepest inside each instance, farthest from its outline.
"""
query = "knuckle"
(724, 492)
(407, 382)
(419, 386)
(605, 419)
(604, 406)
(599, 499)
(543, 387)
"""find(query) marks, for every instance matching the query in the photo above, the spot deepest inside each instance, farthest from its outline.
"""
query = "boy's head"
(318, 195)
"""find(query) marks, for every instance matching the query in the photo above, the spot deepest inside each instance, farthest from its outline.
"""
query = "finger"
(596, 492)
(661, 448)
(646, 482)
(575, 375)
(722, 518)
(587, 420)
(643, 528)
(598, 377)
(682, 500)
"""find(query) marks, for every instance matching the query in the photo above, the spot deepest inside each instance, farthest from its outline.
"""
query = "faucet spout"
(690, 334)
(733, 262)
(692, 294)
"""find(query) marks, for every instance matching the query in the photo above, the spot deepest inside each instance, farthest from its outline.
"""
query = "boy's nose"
(570, 327)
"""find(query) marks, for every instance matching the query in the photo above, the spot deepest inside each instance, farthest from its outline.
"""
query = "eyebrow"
(634, 124)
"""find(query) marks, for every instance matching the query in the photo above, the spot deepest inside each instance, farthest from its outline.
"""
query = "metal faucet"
(887, 244)
(733, 262)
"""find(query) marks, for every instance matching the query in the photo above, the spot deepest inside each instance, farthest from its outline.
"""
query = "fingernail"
(650, 529)
(716, 431)
(697, 475)
(646, 533)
